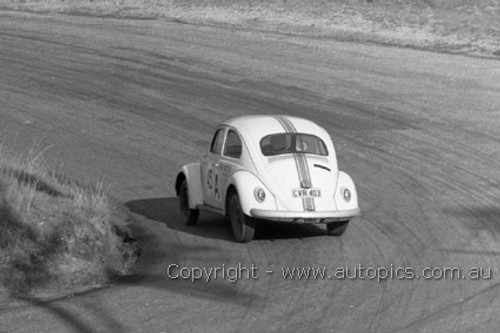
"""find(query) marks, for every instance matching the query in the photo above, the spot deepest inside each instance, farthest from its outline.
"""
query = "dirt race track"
(130, 101)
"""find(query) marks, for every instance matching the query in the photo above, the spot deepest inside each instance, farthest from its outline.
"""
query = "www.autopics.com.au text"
(234, 273)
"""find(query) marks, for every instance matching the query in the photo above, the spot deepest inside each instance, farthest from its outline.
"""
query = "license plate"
(306, 193)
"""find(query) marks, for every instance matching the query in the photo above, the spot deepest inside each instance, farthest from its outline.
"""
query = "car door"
(211, 171)
(230, 160)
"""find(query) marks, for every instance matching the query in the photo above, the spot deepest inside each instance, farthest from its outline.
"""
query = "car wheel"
(190, 216)
(243, 226)
(337, 228)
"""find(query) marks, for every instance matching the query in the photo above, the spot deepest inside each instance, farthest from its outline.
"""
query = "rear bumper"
(305, 217)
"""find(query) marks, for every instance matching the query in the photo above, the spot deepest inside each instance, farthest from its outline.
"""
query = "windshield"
(291, 143)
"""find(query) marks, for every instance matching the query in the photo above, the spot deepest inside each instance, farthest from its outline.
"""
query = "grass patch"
(56, 234)
(459, 26)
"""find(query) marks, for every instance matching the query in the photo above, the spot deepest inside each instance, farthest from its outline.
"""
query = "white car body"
(299, 186)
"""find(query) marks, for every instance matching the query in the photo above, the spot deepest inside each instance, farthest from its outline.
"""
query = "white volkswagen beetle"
(277, 168)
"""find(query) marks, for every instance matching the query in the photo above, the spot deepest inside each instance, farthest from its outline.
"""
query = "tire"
(337, 228)
(243, 226)
(189, 216)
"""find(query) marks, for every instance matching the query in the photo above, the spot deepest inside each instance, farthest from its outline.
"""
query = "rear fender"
(345, 182)
(245, 184)
(192, 174)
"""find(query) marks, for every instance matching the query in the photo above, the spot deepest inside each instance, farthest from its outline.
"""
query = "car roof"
(255, 127)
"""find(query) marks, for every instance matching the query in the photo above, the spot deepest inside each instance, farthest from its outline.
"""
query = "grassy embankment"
(56, 234)
(461, 26)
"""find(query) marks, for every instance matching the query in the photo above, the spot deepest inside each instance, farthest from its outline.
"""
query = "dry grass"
(464, 26)
(55, 234)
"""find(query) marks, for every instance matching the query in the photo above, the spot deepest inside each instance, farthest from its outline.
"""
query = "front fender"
(345, 181)
(245, 184)
(192, 174)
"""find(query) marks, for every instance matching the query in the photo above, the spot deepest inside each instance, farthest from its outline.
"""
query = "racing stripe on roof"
(301, 163)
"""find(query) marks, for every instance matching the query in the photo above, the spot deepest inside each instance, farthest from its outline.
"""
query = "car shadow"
(268, 230)
(166, 210)
(210, 225)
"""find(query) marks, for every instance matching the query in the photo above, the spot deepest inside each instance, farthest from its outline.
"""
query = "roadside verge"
(463, 26)
(58, 235)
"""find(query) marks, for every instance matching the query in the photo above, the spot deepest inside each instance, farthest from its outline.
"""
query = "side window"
(216, 146)
(233, 146)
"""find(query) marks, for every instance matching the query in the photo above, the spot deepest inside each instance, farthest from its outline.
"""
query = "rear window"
(292, 143)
